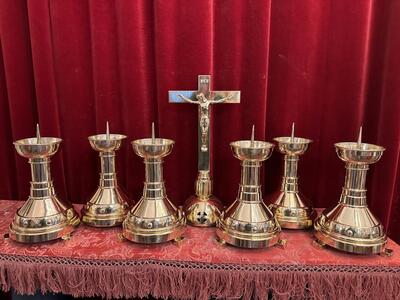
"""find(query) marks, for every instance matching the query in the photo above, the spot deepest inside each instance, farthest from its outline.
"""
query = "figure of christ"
(204, 115)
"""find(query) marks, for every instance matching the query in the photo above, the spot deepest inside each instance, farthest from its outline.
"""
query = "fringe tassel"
(180, 283)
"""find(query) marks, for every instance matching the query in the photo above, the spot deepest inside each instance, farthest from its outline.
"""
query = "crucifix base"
(203, 209)
(202, 212)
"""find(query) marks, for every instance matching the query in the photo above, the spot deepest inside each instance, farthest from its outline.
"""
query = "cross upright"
(203, 97)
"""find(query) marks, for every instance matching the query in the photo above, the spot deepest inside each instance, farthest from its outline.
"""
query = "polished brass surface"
(248, 222)
(109, 204)
(154, 219)
(43, 217)
(350, 226)
(203, 209)
(291, 208)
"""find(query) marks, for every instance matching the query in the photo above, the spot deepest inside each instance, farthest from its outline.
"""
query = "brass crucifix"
(203, 97)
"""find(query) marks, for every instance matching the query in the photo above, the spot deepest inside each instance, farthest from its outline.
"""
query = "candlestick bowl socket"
(154, 219)
(43, 217)
(109, 204)
(291, 208)
(350, 226)
(248, 222)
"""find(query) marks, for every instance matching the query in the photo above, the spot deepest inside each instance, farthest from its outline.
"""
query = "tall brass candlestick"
(291, 208)
(43, 217)
(154, 219)
(109, 204)
(203, 209)
(350, 226)
(248, 222)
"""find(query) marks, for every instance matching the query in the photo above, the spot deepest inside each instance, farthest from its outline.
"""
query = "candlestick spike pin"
(37, 134)
(43, 217)
(350, 226)
(154, 219)
(203, 209)
(248, 222)
(109, 204)
(291, 208)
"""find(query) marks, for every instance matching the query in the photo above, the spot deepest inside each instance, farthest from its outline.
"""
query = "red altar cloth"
(96, 262)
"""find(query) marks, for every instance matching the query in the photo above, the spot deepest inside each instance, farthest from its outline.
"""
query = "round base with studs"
(38, 229)
(202, 212)
(348, 244)
(294, 218)
(153, 236)
(248, 240)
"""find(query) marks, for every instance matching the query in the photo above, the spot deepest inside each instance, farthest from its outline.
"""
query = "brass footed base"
(338, 228)
(202, 212)
(374, 248)
(295, 216)
(155, 236)
(39, 236)
(40, 228)
(153, 231)
(251, 241)
(108, 207)
(303, 218)
(98, 222)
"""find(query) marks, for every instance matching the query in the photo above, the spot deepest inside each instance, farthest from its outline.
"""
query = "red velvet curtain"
(329, 66)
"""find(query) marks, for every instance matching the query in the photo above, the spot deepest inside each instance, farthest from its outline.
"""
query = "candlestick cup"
(154, 219)
(248, 222)
(350, 226)
(43, 217)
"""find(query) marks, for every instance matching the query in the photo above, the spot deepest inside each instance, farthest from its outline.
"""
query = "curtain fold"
(329, 66)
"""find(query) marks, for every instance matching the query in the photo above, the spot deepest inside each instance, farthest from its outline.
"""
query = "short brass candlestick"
(350, 226)
(43, 217)
(109, 204)
(154, 219)
(248, 222)
(291, 208)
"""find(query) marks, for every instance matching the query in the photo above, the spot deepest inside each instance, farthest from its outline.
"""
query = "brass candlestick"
(203, 209)
(291, 208)
(248, 222)
(109, 204)
(350, 226)
(154, 219)
(43, 217)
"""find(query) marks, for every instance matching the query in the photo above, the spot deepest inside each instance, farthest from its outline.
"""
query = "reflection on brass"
(291, 208)
(204, 115)
(154, 219)
(203, 209)
(248, 222)
(350, 226)
(43, 217)
(108, 206)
